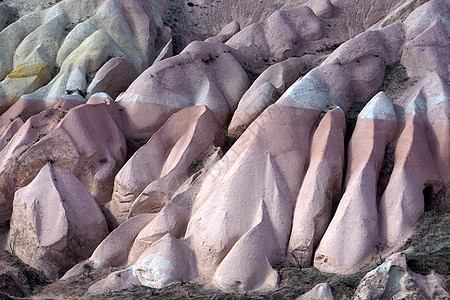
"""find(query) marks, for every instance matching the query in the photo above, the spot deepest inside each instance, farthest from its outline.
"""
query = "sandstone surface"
(226, 144)
(52, 221)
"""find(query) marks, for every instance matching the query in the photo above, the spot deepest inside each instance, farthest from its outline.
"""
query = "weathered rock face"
(314, 205)
(87, 142)
(278, 37)
(158, 169)
(53, 220)
(320, 291)
(52, 52)
(203, 74)
(294, 136)
(394, 280)
(113, 77)
(351, 237)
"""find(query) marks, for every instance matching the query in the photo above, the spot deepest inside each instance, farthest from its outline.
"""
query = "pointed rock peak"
(100, 97)
(321, 291)
(334, 117)
(379, 107)
(336, 112)
(333, 61)
(418, 105)
(322, 8)
(165, 262)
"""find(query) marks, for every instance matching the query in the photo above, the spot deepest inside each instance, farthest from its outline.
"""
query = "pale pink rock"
(52, 222)
(9, 131)
(350, 241)
(425, 16)
(322, 8)
(394, 280)
(428, 52)
(174, 217)
(322, 291)
(34, 129)
(87, 142)
(25, 107)
(321, 185)
(114, 249)
(278, 37)
(163, 45)
(436, 91)
(115, 281)
(114, 77)
(256, 183)
(266, 89)
(153, 174)
(248, 174)
(167, 261)
(364, 58)
(201, 75)
(226, 33)
(248, 265)
(399, 14)
(402, 203)
(21, 109)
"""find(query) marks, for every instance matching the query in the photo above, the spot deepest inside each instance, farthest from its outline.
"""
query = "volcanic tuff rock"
(394, 280)
(320, 291)
(52, 221)
(154, 173)
(293, 135)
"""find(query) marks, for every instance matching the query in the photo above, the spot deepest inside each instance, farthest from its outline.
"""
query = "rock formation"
(274, 133)
(51, 227)
(351, 236)
(394, 280)
(154, 173)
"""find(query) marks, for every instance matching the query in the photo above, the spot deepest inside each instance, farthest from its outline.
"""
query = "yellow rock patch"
(39, 70)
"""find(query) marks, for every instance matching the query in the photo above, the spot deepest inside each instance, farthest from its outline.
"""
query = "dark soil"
(17, 279)
(429, 247)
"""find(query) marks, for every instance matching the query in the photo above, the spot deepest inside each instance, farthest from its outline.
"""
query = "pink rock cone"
(174, 217)
(87, 142)
(167, 261)
(321, 185)
(402, 203)
(249, 268)
(165, 162)
(351, 238)
(261, 173)
(52, 221)
(34, 129)
(321, 291)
